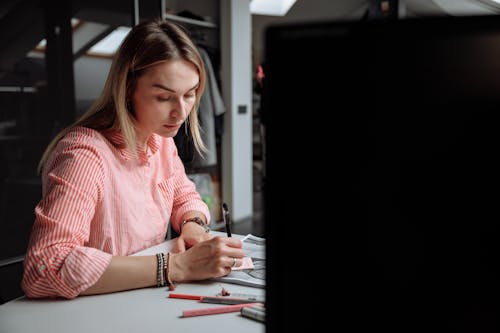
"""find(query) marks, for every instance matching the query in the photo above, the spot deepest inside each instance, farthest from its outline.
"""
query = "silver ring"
(234, 262)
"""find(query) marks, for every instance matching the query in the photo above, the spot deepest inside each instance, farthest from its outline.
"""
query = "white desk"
(143, 310)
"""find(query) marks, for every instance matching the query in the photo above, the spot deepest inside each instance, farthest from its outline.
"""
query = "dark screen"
(381, 175)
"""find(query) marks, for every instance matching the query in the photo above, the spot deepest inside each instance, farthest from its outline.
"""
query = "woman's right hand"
(207, 259)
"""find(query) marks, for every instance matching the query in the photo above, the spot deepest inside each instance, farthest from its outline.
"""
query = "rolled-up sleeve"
(57, 262)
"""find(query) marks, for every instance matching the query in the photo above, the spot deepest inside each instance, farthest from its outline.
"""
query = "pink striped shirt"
(98, 201)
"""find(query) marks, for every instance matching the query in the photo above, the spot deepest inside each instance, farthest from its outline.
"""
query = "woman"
(112, 181)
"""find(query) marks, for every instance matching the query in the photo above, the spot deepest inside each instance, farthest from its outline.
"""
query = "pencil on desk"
(185, 296)
(216, 310)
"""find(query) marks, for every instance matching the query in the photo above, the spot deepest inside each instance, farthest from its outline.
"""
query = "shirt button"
(42, 267)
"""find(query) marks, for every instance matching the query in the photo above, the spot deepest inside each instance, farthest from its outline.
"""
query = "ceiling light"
(271, 7)
(110, 43)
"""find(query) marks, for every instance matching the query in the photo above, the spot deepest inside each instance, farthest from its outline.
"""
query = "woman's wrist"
(194, 220)
(175, 273)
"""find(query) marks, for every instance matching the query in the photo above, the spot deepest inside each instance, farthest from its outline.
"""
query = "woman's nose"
(179, 108)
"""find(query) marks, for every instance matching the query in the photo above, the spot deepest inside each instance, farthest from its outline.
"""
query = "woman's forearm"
(124, 273)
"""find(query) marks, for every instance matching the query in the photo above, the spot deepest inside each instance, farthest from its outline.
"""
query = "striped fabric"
(98, 201)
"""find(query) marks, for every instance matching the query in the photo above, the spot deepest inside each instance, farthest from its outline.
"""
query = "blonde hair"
(146, 44)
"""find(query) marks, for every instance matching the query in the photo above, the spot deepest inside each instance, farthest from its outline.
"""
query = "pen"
(225, 300)
(217, 299)
(227, 218)
(216, 310)
(250, 297)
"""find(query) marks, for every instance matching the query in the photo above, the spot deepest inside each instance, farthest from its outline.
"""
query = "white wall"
(237, 157)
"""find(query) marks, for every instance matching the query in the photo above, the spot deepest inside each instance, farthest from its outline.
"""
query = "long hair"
(147, 44)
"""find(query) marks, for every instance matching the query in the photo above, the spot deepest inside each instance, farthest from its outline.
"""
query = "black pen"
(227, 218)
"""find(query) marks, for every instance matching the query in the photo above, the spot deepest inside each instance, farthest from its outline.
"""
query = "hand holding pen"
(227, 221)
(216, 257)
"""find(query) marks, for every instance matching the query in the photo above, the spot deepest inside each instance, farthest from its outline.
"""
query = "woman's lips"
(172, 127)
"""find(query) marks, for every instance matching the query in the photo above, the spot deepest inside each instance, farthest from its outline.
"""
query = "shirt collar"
(117, 139)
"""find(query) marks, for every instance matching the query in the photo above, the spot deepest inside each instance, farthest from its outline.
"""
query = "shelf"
(190, 21)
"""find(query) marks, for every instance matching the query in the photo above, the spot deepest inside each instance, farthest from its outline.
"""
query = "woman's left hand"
(192, 234)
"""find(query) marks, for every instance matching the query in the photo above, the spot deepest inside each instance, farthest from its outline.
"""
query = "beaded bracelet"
(168, 282)
(163, 269)
(161, 263)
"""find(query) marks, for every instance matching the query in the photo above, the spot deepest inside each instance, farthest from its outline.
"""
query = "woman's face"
(163, 97)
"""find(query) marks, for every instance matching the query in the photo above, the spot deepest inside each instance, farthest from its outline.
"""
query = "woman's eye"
(188, 96)
(163, 99)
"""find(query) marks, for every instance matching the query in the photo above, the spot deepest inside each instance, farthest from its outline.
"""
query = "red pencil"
(216, 310)
(185, 296)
